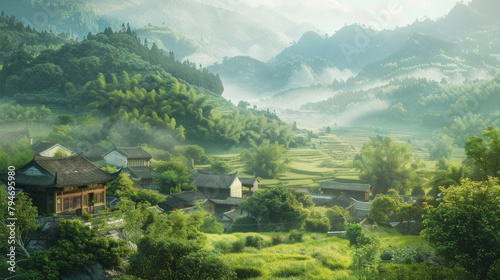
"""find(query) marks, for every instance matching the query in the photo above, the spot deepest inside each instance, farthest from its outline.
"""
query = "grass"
(317, 257)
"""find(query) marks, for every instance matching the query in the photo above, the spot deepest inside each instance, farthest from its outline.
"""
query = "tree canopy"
(265, 160)
(465, 228)
(386, 163)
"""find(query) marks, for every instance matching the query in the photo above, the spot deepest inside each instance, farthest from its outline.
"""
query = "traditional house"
(144, 175)
(48, 149)
(182, 200)
(251, 183)
(353, 190)
(63, 185)
(218, 186)
(127, 157)
(223, 205)
(227, 218)
(14, 136)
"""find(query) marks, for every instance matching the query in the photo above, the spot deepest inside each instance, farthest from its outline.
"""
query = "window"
(66, 203)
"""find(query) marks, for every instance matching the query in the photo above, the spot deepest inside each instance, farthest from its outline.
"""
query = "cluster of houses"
(67, 185)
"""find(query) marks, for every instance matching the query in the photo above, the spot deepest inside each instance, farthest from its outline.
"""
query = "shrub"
(278, 239)
(318, 225)
(238, 246)
(248, 272)
(223, 246)
(295, 236)
(356, 235)
(85, 216)
(387, 254)
(254, 241)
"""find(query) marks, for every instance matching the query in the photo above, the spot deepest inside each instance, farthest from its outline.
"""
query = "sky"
(330, 15)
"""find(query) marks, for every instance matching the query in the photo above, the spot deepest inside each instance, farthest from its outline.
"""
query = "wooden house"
(63, 185)
(223, 205)
(182, 200)
(251, 183)
(216, 185)
(48, 149)
(354, 190)
(127, 157)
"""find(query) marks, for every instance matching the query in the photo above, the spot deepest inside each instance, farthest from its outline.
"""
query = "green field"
(317, 257)
(339, 149)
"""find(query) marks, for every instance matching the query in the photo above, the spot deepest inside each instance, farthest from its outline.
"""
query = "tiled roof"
(233, 214)
(233, 201)
(248, 181)
(61, 172)
(345, 186)
(41, 146)
(144, 172)
(133, 152)
(209, 180)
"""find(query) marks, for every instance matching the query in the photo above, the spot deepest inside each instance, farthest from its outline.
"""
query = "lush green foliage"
(275, 209)
(150, 196)
(442, 147)
(76, 245)
(266, 160)
(381, 207)
(485, 155)
(338, 217)
(357, 237)
(386, 163)
(15, 154)
(176, 259)
(465, 228)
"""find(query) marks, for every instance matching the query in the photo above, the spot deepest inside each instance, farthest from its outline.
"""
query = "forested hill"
(71, 18)
(107, 52)
(127, 93)
(13, 35)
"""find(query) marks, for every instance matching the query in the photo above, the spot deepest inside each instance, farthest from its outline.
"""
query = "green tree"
(220, 167)
(151, 196)
(172, 182)
(387, 164)
(406, 213)
(442, 147)
(76, 246)
(176, 259)
(64, 120)
(122, 186)
(381, 207)
(275, 209)
(465, 228)
(265, 161)
(338, 216)
(398, 112)
(25, 213)
(485, 155)
(356, 235)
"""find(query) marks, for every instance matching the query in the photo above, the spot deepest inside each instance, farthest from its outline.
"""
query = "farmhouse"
(353, 190)
(218, 186)
(182, 200)
(63, 185)
(251, 183)
(135, 161)
(48, 149)
(127, 157)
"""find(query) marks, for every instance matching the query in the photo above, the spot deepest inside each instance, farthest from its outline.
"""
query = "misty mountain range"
(250, 46)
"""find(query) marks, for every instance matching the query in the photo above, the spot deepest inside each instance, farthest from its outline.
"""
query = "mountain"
(225, 28)
(455, 47)
(75, 18)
